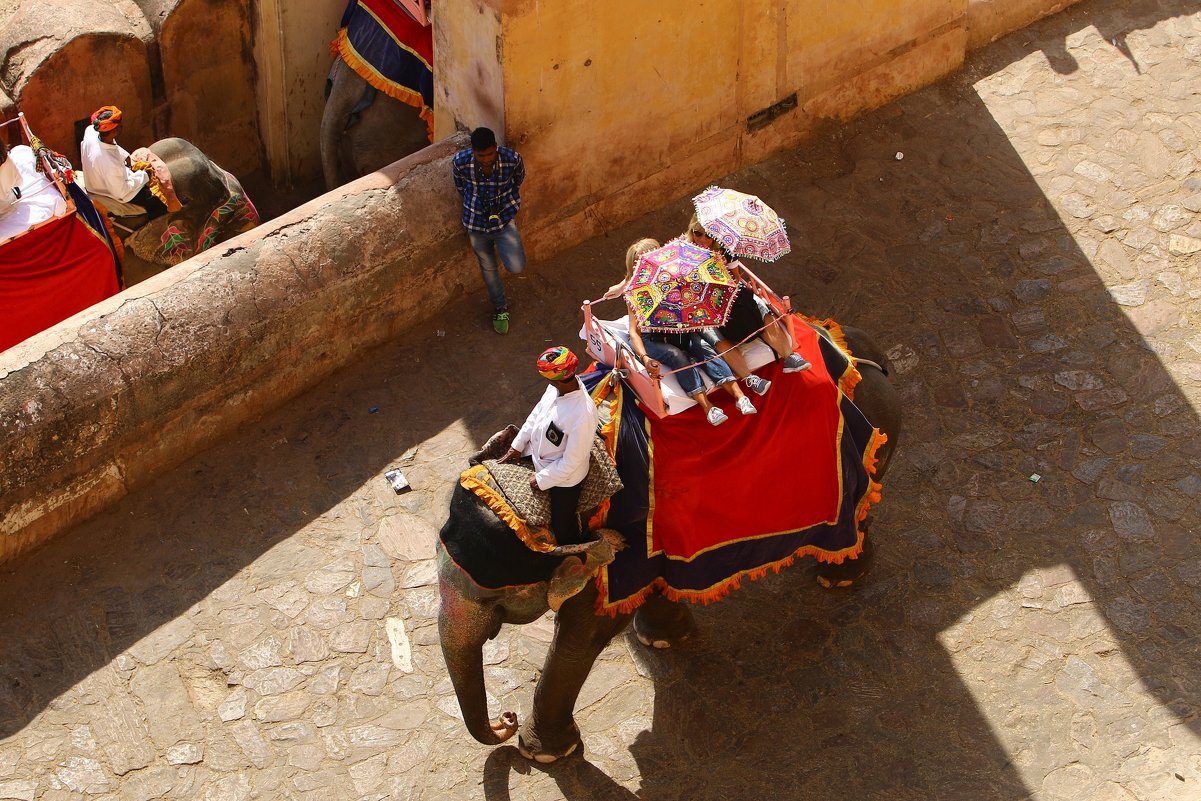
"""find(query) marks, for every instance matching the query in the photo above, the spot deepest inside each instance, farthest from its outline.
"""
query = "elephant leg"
(851, 570)
(662, 623)
(346, 87)
(580, 636)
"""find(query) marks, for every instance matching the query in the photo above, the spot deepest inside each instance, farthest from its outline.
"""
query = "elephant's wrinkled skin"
(379, 134)
(471, 615)
(203, 188)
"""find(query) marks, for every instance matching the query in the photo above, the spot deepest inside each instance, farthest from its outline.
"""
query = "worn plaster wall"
(208, 80)
(94, 407)
(619, 112)
(469, 83)
(175, 67)
(64, 59)
(989, 20)
(291, 51)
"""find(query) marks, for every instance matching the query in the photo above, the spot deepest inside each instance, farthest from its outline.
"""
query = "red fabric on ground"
(50, 273)
(707, 482)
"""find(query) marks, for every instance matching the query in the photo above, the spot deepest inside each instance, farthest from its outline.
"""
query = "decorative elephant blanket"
(704, 508)
(391, 51)
(505, 489)
(179, 241)
(61, 265)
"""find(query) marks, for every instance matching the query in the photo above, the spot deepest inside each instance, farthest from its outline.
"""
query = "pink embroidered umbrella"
(742, 223)
(680, 287)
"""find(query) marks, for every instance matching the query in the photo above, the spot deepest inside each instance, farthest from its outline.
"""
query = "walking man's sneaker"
(500, 322)
(745, 406)
(716, 416)
(758, 385)
(796, 363)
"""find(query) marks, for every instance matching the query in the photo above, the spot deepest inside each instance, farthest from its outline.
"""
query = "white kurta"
(39, 201)
(104, 168)
(558, 435)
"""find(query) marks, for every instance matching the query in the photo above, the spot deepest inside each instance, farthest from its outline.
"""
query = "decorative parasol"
(680, 287)
(742, 223)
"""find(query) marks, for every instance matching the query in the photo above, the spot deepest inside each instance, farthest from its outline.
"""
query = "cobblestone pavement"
(1024, 238)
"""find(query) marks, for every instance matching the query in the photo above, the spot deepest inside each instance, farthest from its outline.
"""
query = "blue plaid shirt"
(490, 202)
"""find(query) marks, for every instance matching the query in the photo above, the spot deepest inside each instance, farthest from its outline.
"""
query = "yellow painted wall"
(468, 84)
(991, 19)
(622, 107)
(291, 53)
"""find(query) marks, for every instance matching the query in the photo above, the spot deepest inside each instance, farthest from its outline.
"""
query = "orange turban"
(106, 118)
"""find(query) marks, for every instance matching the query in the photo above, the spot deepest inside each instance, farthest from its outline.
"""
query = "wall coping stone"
(106, 400)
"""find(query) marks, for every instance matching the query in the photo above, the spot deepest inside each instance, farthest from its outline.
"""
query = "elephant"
(215, 208)
(363, 129)
(471, 613)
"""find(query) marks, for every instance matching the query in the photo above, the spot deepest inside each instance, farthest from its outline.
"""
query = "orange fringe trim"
(723, 588)
(539, 539)
(849, 380)
(604, 393)
(118, 245)
(341, 47)
(720, 590)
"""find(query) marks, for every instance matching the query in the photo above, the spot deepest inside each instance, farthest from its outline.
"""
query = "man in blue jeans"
(489, 180)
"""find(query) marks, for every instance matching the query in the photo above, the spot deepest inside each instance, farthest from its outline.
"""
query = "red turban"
(557, 363)
(106, 118)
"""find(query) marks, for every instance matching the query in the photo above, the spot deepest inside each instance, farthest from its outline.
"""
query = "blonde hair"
(635, 251)
(692, 223)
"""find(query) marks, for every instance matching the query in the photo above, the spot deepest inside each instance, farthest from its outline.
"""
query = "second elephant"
(215, 208)
(363, 129)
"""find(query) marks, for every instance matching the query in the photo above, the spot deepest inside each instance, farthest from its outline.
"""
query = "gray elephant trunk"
(466, 667)
(463, 628)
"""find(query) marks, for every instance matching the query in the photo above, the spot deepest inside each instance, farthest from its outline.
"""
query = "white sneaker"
(745, 406)
(716, 416)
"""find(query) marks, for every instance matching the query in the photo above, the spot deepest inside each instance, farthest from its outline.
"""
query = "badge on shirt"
(554, 435)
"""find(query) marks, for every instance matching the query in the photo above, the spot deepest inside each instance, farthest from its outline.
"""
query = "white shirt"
(558, 435)
(39, 201)
(104, 168)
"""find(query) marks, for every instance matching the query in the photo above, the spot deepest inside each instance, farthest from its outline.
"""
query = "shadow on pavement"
(1014, 360)
(1081, 591)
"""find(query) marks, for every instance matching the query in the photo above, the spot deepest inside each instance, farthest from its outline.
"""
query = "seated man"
(106, 166)
(10, 181)
(27, 197)
(558, 434)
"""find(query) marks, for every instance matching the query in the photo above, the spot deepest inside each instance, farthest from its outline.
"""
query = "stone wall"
(243, 79)
(620, 108)
(94, 407)
(989, 20)
(291, 52)
(175, 67)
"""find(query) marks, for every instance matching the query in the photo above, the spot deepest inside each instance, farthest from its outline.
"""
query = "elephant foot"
(533, 748)
(543, 757)
(849, 572)
(660, 623)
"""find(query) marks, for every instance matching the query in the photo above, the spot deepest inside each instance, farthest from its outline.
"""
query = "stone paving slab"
(1024, 240)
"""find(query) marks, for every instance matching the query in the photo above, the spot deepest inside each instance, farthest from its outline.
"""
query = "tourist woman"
(747, 316)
